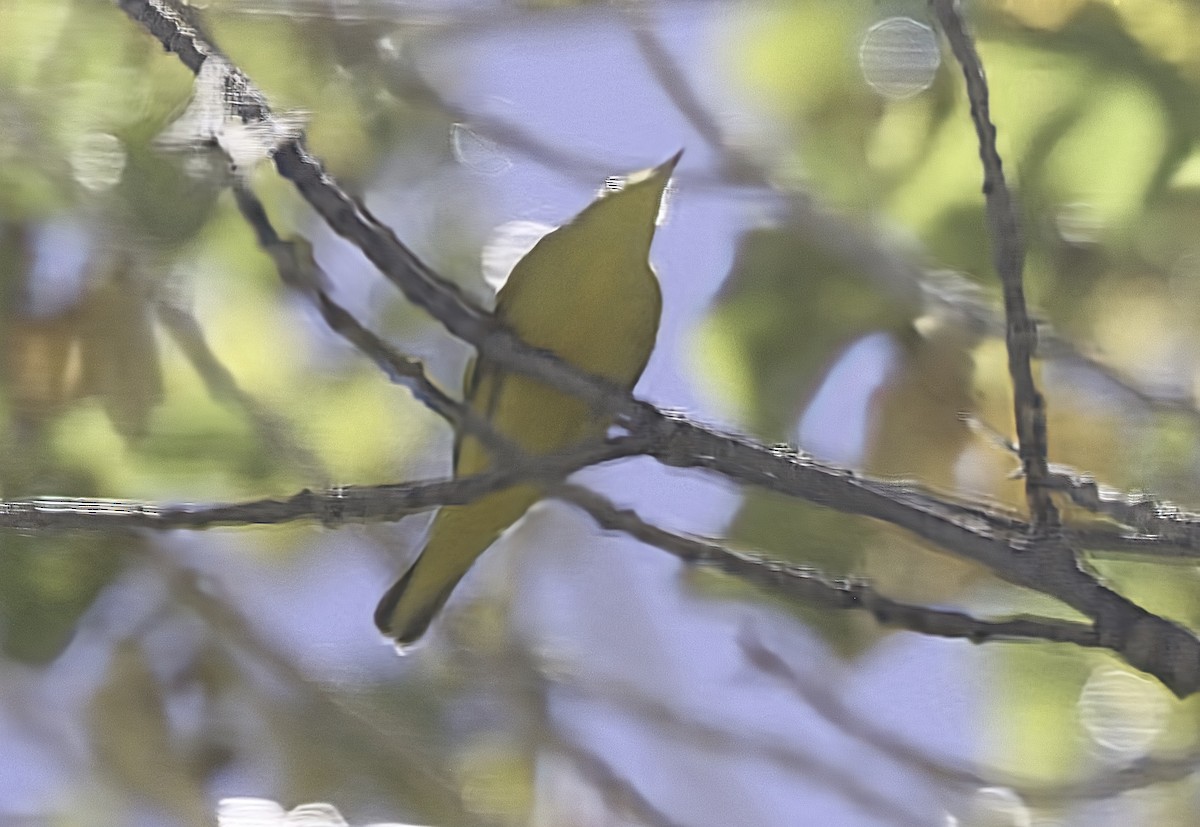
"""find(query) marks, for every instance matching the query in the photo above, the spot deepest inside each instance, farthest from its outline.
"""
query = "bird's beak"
(668, 166)
(661, 172)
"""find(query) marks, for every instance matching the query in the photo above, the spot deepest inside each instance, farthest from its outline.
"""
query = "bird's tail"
(404, 624)
(460, 533)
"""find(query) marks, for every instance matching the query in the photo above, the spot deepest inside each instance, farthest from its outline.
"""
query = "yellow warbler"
(587, 293)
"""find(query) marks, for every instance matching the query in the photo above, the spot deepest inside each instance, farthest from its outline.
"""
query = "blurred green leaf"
(47, 582)
(134, 742)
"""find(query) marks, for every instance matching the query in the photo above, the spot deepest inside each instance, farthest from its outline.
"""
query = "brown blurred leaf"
(133, 742)
(916, 432)
(120, 354)
(42, 366)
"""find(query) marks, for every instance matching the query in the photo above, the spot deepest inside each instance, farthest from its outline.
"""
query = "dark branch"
(808, 585)
(1005, 546)
(332, 507)
(1008, 257)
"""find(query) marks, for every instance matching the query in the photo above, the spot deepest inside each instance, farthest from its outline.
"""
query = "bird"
(587, 293)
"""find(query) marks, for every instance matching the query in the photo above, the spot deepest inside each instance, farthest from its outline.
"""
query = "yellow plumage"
(586, 292)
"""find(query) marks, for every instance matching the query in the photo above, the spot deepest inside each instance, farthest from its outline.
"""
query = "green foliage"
(46, 584)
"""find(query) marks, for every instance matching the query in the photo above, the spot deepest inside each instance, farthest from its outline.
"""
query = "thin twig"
(1008, 257)
(299, 270)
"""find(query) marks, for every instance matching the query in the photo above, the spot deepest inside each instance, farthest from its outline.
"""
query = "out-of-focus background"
(823, 248)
